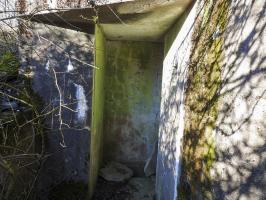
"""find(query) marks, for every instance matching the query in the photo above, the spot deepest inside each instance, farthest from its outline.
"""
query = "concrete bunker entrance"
(130, 82)
(127, 89)
(129, 53)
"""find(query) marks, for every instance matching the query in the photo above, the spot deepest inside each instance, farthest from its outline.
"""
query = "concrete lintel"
(139, 20)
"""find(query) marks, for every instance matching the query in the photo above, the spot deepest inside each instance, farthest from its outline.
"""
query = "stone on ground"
(116, 172)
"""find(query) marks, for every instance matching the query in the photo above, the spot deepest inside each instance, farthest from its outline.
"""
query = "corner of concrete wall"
(132, 102)
(177, 51)
(171, 34)
(223, 154)
(97, 109)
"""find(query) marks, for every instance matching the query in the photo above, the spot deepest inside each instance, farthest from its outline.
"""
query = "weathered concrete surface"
(240, 137)
(127, 20)
(132, 101)
(96, 148)
(144, 20)
(172, 108)
(59, 60)
(238, 171)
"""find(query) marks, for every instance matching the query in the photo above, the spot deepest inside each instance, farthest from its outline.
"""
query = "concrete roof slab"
(139, 20)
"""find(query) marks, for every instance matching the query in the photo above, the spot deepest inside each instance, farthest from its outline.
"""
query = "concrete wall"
(96, 149)
(58, 61)
(240, 135)
(218, 54)
(177, 50)
(223, 151)
(132, 101)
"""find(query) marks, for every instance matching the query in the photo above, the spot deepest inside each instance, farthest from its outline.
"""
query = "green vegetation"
(9, 64)
(202, 97)
(21, 128)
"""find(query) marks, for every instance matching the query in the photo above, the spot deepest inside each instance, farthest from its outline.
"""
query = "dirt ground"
(137, 188)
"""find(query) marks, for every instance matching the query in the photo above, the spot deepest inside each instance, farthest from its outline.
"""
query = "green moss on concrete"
(128, 65)
(132, 99)
(202, 98)
(97, 109)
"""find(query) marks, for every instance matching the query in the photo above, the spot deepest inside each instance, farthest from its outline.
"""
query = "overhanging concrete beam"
(140, 20)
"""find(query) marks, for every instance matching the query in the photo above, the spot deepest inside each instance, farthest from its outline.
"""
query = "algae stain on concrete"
(97, 109)
(132, 103)
(202, 96)
(129, 64)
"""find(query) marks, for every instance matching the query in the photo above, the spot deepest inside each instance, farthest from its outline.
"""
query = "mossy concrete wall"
(202, 95)
(132, 101)
(177, 50)
(97, 108)
(223, 146)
